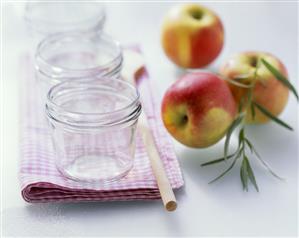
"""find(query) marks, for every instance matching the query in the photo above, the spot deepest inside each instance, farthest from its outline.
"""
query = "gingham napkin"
(39, 178)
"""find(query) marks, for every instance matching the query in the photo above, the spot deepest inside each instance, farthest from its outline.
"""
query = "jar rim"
(41, 61)
(93, 83)
(36, 20)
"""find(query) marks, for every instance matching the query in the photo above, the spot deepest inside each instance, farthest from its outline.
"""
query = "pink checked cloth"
(41, 181)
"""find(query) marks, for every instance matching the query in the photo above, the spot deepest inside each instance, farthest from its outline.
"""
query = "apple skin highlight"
(268, 91)
(192, 35)
(198, 109)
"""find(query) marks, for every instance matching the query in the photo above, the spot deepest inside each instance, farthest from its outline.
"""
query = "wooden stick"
(133, 65)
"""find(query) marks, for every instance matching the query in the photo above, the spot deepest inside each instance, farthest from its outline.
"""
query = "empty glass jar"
(45, 18)
(93, 127)
(70, 56)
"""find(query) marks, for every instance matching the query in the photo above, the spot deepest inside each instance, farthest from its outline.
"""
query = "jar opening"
(78, 55)
(98, 103)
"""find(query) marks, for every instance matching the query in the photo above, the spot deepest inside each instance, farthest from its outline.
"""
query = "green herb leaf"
(249, 95)
(227, 170)
(241, 104)
(241, 85)
(218, 160)
(269, 169)
(280, 77)
(240, 143)
(249, 145)
(230, 130)
(274, 118)
(244, 175)
(252, 111)
(242, 76)
(252, 149)
(250, 173)
(241, 135)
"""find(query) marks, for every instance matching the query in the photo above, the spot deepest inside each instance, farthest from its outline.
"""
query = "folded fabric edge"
(48, 192)
(92, 199)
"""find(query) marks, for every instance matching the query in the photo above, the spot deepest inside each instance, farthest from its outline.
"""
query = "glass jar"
(70, 56)
(93, 128)
(46, 18)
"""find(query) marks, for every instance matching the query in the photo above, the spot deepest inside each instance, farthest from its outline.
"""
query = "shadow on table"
(138, 214)
(262, 138)
(116, 209)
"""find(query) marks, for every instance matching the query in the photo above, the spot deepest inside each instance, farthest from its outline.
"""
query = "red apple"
(268, 91)
(192, 35)
(198, 109)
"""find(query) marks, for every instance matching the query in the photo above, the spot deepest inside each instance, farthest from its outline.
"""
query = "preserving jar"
(46, 18)
(93, 128)
(70, 56)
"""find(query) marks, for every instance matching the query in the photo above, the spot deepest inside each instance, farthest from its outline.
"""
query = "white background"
(218, 209)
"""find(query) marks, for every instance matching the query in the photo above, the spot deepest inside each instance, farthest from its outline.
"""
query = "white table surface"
(203, 210)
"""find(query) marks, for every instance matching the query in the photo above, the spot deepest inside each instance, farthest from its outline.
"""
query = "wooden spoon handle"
(133, 65)
(164, 186)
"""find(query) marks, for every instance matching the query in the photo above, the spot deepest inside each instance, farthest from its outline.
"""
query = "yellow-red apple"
(268, 91)
(192, 35)
(198, 109)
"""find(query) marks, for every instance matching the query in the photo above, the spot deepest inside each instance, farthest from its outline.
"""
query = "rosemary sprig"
(246, 172)
(244, 143)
